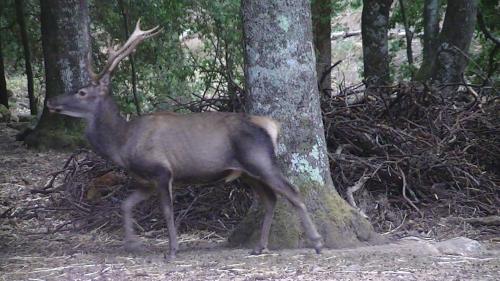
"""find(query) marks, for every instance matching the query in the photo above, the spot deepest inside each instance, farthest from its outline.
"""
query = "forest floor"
(30, 251)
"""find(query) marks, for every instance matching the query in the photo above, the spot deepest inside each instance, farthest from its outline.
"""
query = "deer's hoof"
(318, 246)
(133, 245)
(318, 250)
(170, 257)
(259, 251)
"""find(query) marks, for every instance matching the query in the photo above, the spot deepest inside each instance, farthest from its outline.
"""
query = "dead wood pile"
(93, 189)
(416, 152)
(410, 151)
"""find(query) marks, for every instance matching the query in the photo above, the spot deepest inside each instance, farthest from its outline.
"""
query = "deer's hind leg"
(268, 199)
(262, 165)
(165, 189)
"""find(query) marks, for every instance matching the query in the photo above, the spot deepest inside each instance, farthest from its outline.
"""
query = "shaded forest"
(389, 110)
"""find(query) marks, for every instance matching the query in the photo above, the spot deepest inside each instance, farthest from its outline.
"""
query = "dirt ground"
(27, 252)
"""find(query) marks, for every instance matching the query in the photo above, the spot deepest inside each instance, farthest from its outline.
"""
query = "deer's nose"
(52, 107)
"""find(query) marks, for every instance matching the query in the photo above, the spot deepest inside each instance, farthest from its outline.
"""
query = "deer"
(161, 148)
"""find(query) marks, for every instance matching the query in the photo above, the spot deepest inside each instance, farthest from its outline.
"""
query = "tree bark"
(27, 55)
(66, 45)
(322, 29)
(4, 97)
(454, 41)
(431, 36)
(408, 34)
(281, 81)
(133, 76)
(374, 28)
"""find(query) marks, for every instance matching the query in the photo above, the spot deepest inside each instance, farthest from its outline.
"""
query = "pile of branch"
(413, 151)
(416, 150)
(93, 189)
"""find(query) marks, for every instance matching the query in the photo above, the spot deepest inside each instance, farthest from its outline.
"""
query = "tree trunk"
(408, 35)
(4, 97)
(322, 29)
(374, 27)
(281, 81)
(27, 55)
(454, 41)
(66, 45)
(126, 24)
(431, 35)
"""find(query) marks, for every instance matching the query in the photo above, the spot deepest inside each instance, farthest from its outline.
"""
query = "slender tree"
(66, 45)
(4, 98)
(408, 33)
(27, 55)
(281, 81)
(454, 41)
(374, 27)
(431, 36)
(133, 75)
(322, 29)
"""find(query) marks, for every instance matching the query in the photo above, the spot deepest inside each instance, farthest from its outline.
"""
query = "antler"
(116, 55)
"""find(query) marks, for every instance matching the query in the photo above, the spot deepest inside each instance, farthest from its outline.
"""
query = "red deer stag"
(163, 148)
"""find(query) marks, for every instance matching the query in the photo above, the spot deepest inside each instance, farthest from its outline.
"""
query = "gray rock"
(461, 246)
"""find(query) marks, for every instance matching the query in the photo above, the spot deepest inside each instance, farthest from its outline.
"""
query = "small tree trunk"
(133, 75)
(281, 81)
(374, 27)
(408, 34)
(431, 36)
(66, 45)
(322, 29)
(4, 97)
(27, 55)
(454, 41)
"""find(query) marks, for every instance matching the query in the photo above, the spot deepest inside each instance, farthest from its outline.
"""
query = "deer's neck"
(107, 131)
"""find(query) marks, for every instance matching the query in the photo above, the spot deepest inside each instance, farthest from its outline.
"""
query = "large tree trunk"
(431, 35)
(4, 97)
(322, 29)
(454, 41)
(281, 82)
(374, 27)
(27, 55)
(66, 45)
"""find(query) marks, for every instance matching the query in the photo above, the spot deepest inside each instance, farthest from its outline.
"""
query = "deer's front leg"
(165, 188)
(131, 241)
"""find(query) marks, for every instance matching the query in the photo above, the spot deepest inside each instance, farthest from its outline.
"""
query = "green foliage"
(355, 4)
(485, 58)
(13, 50)
(414, 14)
(199, 52)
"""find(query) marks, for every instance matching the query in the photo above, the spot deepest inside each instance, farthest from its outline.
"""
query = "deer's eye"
(82, 93)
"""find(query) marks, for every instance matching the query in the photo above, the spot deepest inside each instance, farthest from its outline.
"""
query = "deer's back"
(196, 147)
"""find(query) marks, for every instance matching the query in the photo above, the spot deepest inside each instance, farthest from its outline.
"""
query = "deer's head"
(87, 100)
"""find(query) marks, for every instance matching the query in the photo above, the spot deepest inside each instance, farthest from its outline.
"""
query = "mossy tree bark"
(454, 41)
(66, 45)
(374, 27)
(281, 81)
